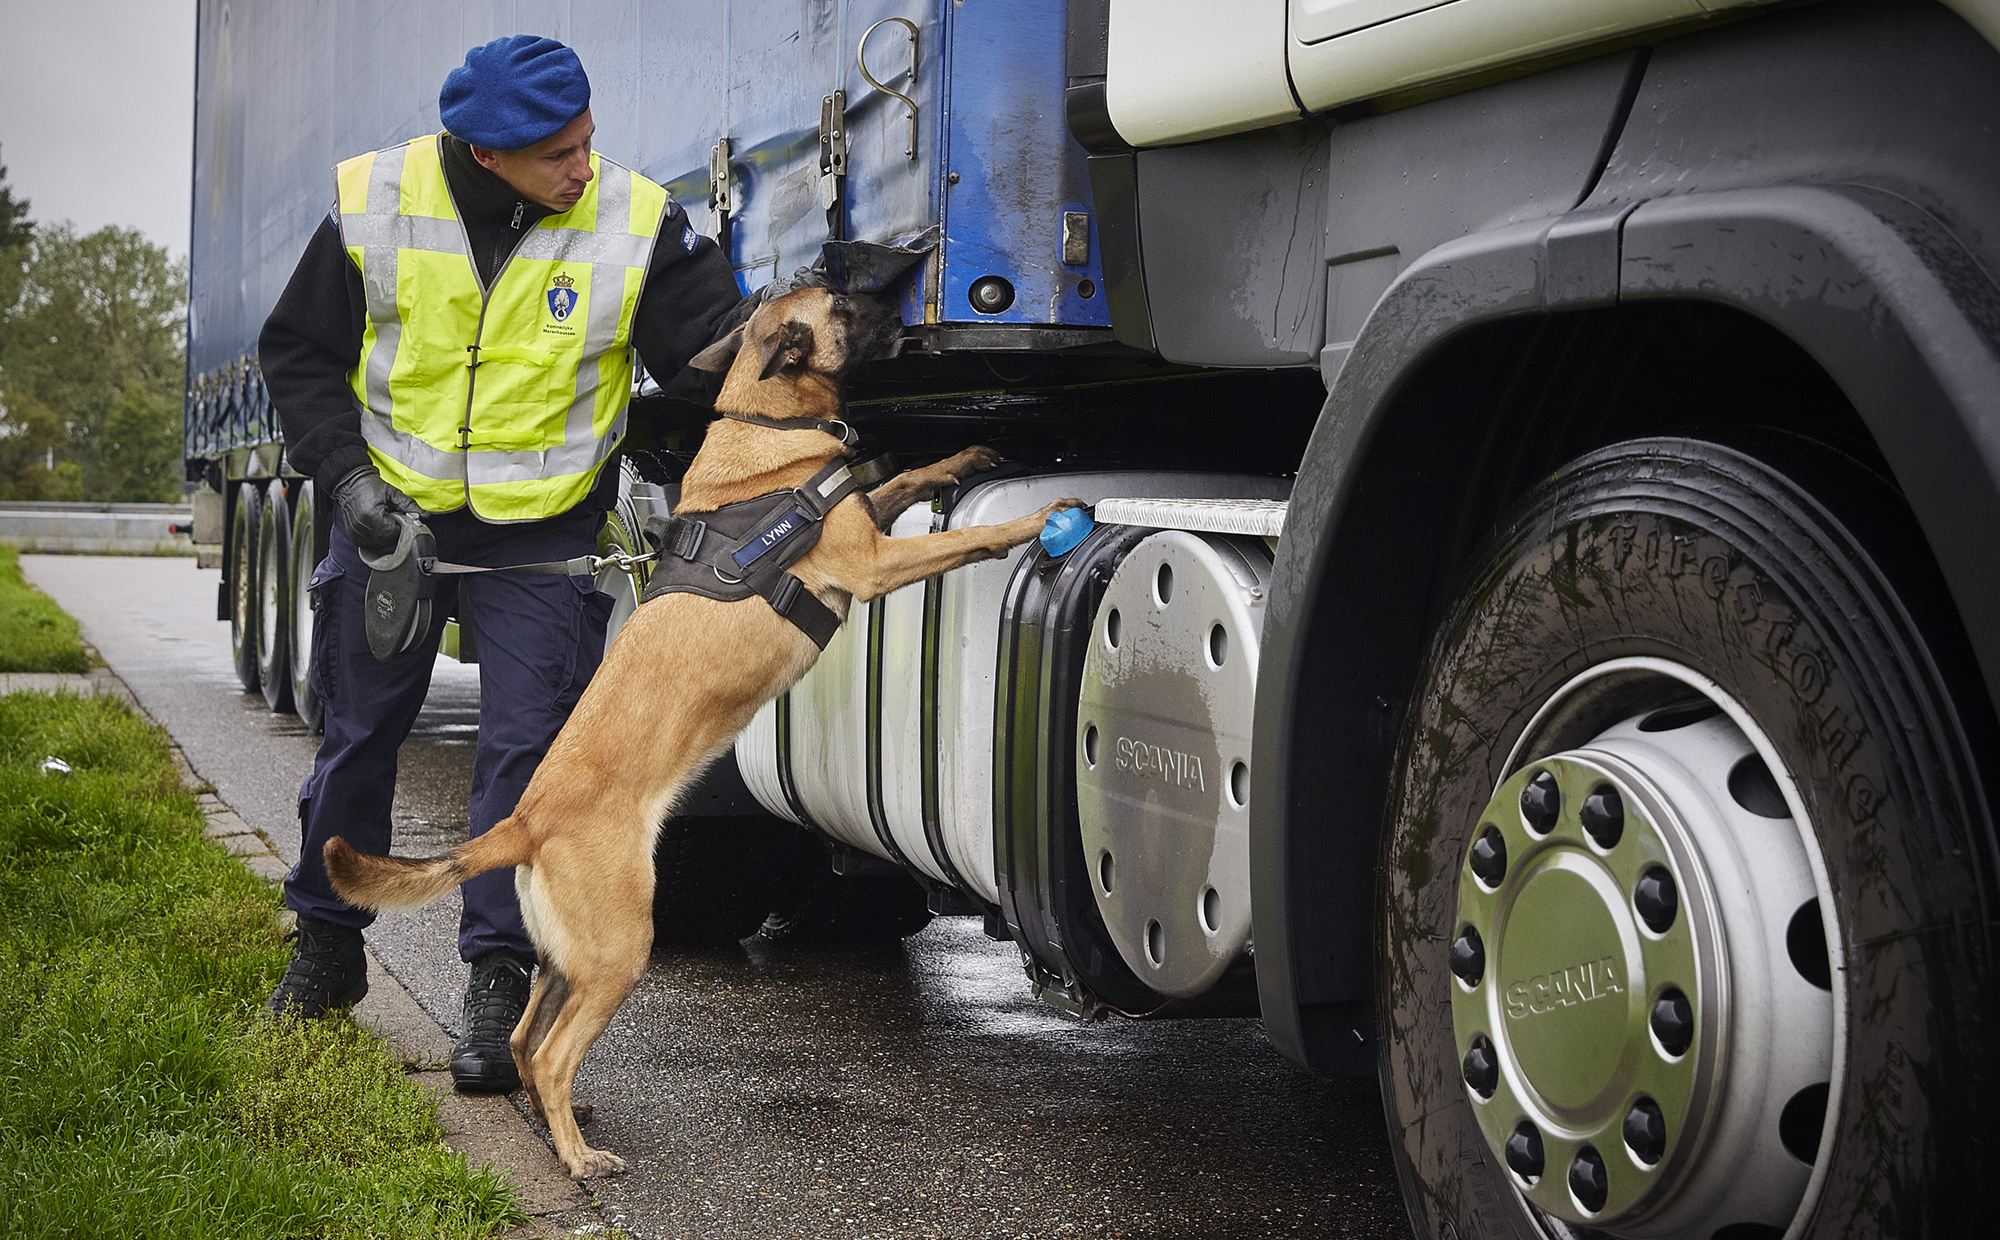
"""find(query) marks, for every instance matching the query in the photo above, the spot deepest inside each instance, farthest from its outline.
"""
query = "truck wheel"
(274, 598)
(620, 533)
(305, 559)
(1680, 735)
(243, 527)
(715, 878)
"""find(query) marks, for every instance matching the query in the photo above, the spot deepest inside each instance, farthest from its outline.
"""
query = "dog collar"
(849, 437)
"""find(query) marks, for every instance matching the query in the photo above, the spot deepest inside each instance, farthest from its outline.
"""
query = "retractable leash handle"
(400, 590)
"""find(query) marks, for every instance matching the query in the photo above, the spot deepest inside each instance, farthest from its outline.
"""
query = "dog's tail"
(378, 883)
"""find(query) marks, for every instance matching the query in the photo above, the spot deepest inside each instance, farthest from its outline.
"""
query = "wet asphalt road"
(786, 1089)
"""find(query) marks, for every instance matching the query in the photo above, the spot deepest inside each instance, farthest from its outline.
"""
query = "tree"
(16, 230)
(29, 429)
(30, 433)
(15, 227)
(141, 447)
(91, 364)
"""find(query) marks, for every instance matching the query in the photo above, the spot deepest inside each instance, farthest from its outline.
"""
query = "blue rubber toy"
(1064, 530)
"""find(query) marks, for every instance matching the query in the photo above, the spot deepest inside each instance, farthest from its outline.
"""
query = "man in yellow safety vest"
(457, 341)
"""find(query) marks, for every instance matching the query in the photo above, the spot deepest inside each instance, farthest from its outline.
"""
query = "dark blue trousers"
(539, 639)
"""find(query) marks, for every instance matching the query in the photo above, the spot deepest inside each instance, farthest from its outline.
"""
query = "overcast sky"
(97, 112)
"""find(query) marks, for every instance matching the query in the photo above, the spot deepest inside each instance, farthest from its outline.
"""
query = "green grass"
(140, 1093)
(35, 635)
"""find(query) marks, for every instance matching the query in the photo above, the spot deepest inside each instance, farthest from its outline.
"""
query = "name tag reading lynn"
(781, 529)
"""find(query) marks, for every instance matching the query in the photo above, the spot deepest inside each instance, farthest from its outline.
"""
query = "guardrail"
(84, 528)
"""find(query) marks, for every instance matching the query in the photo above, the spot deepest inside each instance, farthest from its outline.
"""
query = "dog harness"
(745, 548)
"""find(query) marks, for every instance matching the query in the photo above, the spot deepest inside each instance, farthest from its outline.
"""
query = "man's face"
(553, 171)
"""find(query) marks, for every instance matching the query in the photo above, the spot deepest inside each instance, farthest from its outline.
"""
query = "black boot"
(328, 971)
(495, 997)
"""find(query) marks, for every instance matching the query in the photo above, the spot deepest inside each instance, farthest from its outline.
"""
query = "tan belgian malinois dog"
(684, 676)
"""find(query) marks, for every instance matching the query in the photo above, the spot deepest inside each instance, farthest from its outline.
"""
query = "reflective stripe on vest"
(518, 426)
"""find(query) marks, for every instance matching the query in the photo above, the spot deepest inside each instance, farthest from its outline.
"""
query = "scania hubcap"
(1638, 1022)
(1575, 974)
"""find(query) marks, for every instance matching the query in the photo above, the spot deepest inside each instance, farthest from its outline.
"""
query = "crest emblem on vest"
(562, 297)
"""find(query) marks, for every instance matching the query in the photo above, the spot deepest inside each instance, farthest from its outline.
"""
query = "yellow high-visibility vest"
(508, 398)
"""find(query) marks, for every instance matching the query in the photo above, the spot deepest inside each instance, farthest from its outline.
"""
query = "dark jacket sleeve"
(689, 288)
(308, 347)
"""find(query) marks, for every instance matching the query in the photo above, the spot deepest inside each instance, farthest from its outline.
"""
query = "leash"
(591, 565)
(581, 566)
(402, 584)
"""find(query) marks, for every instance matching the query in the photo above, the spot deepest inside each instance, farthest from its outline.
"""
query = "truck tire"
(620, 534)
(243, 526)
(715, 878)
(1682, 731)
(305, 559)
(274, 599)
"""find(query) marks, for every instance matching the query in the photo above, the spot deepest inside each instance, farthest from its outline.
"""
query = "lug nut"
(1673, 1022)
(1468, 957)
(1541, 801)
(1524, 1150)
(1588, 1181)
(1646, 1131)
(1656, 899)
(1482, 1066)
(1489, 857)
(1603, 815)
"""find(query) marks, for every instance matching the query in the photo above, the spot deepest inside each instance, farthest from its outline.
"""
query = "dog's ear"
(719, 355)
(788, 346)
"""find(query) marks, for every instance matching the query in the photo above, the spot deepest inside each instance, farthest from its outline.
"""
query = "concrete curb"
(485, 1128)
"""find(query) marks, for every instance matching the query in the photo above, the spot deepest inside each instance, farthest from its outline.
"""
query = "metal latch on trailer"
(832, 148)
(720, 199)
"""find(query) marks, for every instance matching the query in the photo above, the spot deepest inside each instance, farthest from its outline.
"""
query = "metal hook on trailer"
(861, 62)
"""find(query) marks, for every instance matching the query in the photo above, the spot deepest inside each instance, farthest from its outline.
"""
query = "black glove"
(368, 508)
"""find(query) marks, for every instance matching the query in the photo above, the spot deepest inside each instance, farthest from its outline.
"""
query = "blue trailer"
(776, 125)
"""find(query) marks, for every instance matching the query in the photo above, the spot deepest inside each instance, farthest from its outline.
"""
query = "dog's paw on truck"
(1540, 639)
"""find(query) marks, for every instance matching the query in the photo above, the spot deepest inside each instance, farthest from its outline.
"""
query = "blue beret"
(513, 92)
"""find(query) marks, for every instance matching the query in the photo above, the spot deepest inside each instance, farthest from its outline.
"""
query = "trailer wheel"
(715, 878)
(274, 599)
(243, 528)
(299, 643)
(1682, 927)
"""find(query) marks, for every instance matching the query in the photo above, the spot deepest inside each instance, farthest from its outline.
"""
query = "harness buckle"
(687, 538)
(784, 594)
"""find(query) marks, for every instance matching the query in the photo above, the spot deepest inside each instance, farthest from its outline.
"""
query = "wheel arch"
(1491, 360)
